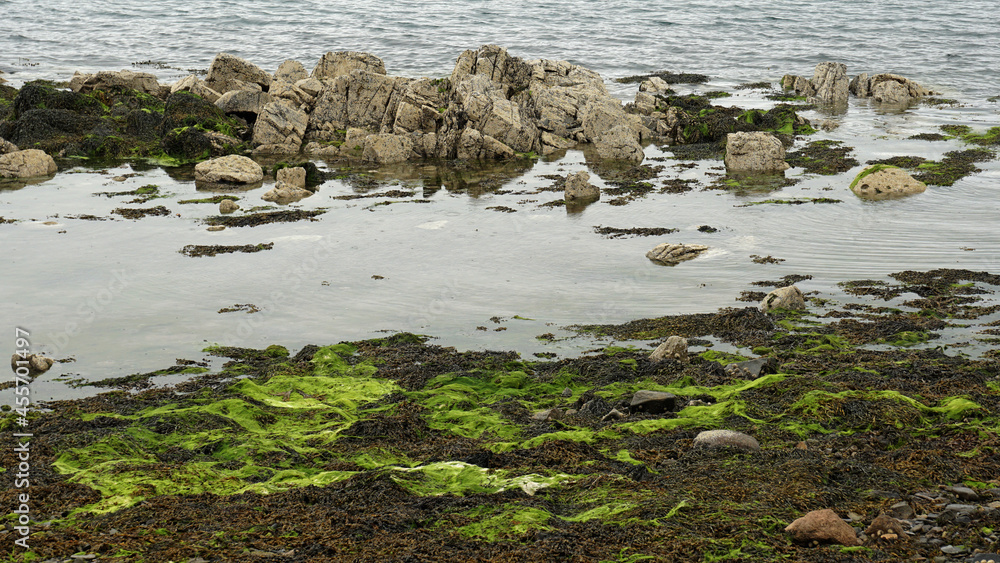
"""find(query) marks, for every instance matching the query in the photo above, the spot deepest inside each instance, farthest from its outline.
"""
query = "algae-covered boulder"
(26, 164)
(882, 181)
(194, 128)
(232, 170)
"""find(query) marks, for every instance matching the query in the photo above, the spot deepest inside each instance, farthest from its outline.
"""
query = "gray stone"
(232, 169)
(965, 493)
(285, 193)
(229, 72)
(579, 188)
(36, 364)
(293, 176)
(594, 408)
(756, 367)
(671, 254)
(718, 438)
(754, 152)
(549, 414)
(7, 146)
(831, 83)
(883, 182)
(823, 526)
(614, 414)
(674, 347)
(653, 402)
(291, 71)
(784, 298)
(340, 63)
(228, 206)
(621, 143)
(243, 101)
(386, 148)
(280, 124)
(28, 163)
(106, 79)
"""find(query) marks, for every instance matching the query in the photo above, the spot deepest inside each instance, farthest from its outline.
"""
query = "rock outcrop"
(280, 128)
(674, 348)
(885, 88)
(881, 181)
(28, 163)
(107, 79)
(755, 153)
(229, 72)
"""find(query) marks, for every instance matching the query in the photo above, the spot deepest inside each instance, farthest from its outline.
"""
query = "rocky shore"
(827, 437)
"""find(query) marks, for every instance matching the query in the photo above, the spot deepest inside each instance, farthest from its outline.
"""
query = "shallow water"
(119, 298)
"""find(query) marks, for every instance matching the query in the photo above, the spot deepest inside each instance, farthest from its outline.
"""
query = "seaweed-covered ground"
(396, 449)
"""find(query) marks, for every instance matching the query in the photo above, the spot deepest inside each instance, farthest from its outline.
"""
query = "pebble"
(215, 228)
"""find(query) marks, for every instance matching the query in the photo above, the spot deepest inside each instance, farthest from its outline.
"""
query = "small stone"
(228, 206)
(965, 493)
(715, 438)
(823, 526)
(674, 347)
(901, 510)
(653, 402)
(962, 508)
(216, 228)
(883, 526)
(615, 414)
(953, 549)
(549, 414)
(567, 392)
(579, 188)
(36, 364)
(881, 181)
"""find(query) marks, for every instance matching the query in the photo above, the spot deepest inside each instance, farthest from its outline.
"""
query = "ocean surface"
(116, 297)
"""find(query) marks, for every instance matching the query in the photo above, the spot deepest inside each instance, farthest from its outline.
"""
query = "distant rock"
(653, 402)
(229, 170)
(341, 63)
(285, 193)
(107, 79)
(674, 348)
(28, 163)
(579, 188)
(717, 438)
(671, 254)
(754, 152)
(228, 72)
(823, 526)
(885, 88)
(35, 364)
(784, 298)
(881, 181)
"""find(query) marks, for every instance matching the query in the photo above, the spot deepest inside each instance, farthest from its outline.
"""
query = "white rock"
(232, 169)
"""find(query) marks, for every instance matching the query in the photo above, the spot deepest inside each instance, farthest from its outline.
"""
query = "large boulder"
(28, 163)
(243, 102)
(229, 72)
(294, 176)
(496, 65)
(492, 114)
(340, 63)
(831, 83)
(881, 181)
(789, 297)
(362, 98)
(107, 79)
(280, 124)
(231, 170)
(7, 146)
(754, 152)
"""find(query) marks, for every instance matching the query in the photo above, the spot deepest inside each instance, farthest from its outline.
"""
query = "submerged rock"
(882, 181)
(35, 364)
(755, 152)
(28, 163)
(822, 526)
(671, 254)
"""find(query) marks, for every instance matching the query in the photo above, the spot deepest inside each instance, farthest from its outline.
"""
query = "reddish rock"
(822, 526)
